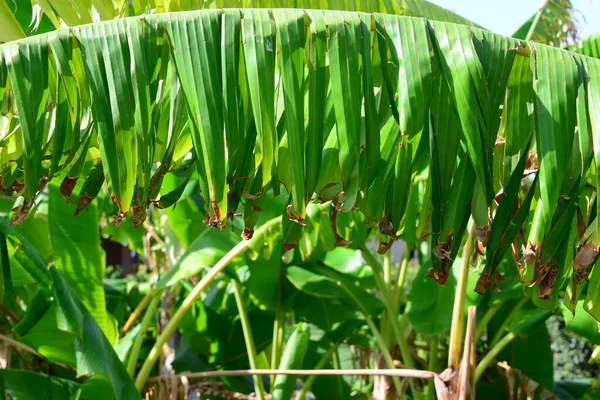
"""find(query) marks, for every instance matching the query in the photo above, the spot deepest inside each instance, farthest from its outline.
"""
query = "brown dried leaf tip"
(386, 227)
(487, 281)
(21, 214)
(339, 241)
(139, 215)
(482, 237)
(439, 277)
(530, 258)
(247, 234)
(550, 271)
(66, 188)
(483, 283)
(295, 217)
(584, 258)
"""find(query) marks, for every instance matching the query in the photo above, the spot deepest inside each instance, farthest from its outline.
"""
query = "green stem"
(387, 356)
(482, 326)
(387, 268)
(392, 317)
(139, 339)
(249, 339)
(536, 233)
(277, 341)
(491, 355)
(384, 328)
(137, 311)
(264, 359)
(386, 281)
(403, 344)
(191, 298)
(458, 313)
(390, 311)
(6, 287)
(309, 382)
(336, 365)
(397, 292)
(432, 365)
(507, 320)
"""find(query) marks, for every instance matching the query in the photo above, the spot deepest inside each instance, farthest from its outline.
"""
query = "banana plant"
(109, 87)
(395, 120)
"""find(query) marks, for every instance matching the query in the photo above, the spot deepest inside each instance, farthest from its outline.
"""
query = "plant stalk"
(309, 382)
(139, 339)
(6, 287)
(387, 269)
(387, 356)
(388, 302)
(138, 311)
(277, 341)
(491, 355)
(487, 317)
(466, 387)
(536, 232)
(507, 320)
(432, 365)
(404, 373)
(387, 282)
(191, 298)
(335, 361)
(397, 291)
(249, 339)
(392, 316)
(458, 313)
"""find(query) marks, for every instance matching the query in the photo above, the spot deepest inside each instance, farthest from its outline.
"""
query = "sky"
(506, 16)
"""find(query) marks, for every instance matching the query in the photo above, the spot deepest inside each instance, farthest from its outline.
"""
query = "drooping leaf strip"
(327, 105)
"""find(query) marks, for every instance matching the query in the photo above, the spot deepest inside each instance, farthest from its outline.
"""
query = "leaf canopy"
(320, 105)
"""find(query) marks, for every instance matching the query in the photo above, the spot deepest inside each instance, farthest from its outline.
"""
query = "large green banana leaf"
(39, 16)
(320, 105)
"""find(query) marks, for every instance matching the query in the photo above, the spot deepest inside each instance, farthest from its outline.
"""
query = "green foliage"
(430, 309)
(292, 358)
(203, 252)
(368, 89)
(94, 353)
(328, 131)
(78, 256)
(24, 385)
